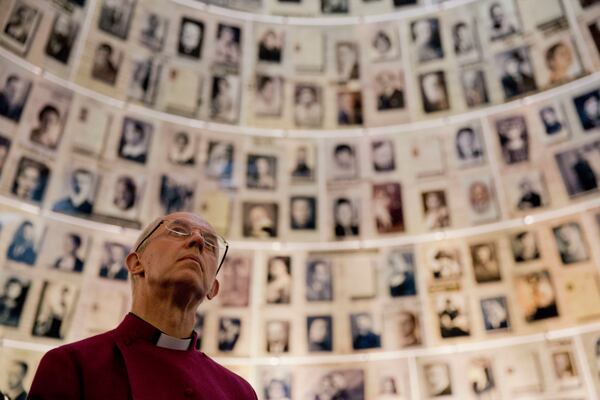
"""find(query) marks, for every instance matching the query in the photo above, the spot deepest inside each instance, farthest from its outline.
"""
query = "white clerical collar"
(173, 343)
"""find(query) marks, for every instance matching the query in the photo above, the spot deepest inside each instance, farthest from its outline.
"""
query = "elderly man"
(153, 353)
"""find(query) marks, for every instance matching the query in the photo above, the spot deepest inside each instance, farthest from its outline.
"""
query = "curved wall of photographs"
(411, 198)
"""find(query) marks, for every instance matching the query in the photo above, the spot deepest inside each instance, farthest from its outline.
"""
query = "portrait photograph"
(55, 310)
(387, 208)
(400, 272)
(260, 220)
(364, 334)
(65, 249)
(191, 35)
(308, 105)
(436, 213)
(343, 160)
(303, 213)
(347, 60)
(319, 280)
(14, 93)
(261, 172)
(444, 265)
(5, 144)
(224, 98)
(230, 330)
(578, 168)
(513, 136)
(348, 384)
(486, 266)
(20, 27)
(588, 109)
(565, 370)
(349, 108)
(554, 124)
(501, 19)
(268, 98)
(112, 263)
(120, 195)
(346, 219)
(474, 87)
(80, 188)
(271, 42)
(143, 85)
(136, 136)
(181, 147)
(426, 39)
(516, 72)
(277, 384)
(13, 294)
(115, 17)
(302, 160)
(25, 243)
(571, 243)
(389, 89)
(525, 246)
(469, 146)
(176, 193)
(465, 40)
(434, 93)
(453, 315)
(227, 47)
(562, 62)
(31, 180)
(405, 328)
(495, 313)
(279, 280)
(383, 43)
(481, 377)
(219, 161)
(536, 296)
(528, 191)
(277, 335)
(319, 333)
(481, 198)
(236, 280)
(383, 155)
(389, 388)
(335, 6)
(153, 30)
(437, 379)
(106, 63)
(61, 38)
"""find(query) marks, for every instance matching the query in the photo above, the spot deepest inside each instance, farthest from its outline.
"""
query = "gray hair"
(149, 228)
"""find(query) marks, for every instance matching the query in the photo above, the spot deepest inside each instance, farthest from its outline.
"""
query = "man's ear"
(134, 265)
(214, 290)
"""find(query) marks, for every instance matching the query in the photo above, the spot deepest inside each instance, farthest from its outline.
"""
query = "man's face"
(344, 214)
(497, 14)
(27, 182)
(432, 88)
(344, 159)
(318, 330)
(69, 245)
(15, 376)
(181, 262)
(383, 155)
(190, 35)
(407, 324)
(82, 183)
(363, 324)
(301, 211)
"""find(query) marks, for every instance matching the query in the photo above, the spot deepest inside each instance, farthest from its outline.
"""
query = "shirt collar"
(134, 327)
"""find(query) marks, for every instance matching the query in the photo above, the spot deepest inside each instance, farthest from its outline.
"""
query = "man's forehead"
(189, 218)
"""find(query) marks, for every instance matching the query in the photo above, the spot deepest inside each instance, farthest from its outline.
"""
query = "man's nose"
(196, 240)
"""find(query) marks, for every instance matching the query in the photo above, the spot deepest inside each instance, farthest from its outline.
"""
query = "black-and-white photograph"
(383, 155)
(444, 264)
(536, 296)
(62, 38)
(426, 39)
(389, 90)
(308, 106)
(562, 62)
(486, 266)
(502, 20)
(588, 109)
(387, 207)
(227, 47)
(176, 193)
(571, 243)
(31, 180)
(153, 30)
(578, 168)
(279, 280)
(513, 136)
(319, 333)
(554, 123)
(453, 315)
(268, 98)
(364, 334)
(115, 17)
(112, 265)
(230, 330)
(464, 38)
(349, 106)
(13, 95)
(277, 334)
(55, 310)
(277, 384)
(270, 46)
(436, 213)
(407, 328)
(302, 163)
(347, 384)
(20, 27)
(124, 196)
(136, 136)
(260, 220)
(80, 186)
(224, 98)
(191, 36)
(517, 73)
(401, 273)
(347, 61)
(564, 369)
(384, 43)
(107, 63)
(343, 161)
(525, 247)
(13, 294)
(434, 94)
(495, 313)
(143, 85)
(335, 6)
(67, 251)
(470, 149)
(47, 129)
(319, 280)
(303, 213)
(437, 379)
(182, 148)
(481, 377)
(219, 160)
(474, 87)
(236, 280)
(261, 172)
(24, 245)
(481, 197)
(346, 221)
(528, 191)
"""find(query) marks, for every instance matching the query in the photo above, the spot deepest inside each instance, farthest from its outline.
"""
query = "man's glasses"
(213, 243)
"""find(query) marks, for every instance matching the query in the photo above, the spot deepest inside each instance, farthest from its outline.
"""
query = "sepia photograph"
(106, 63)
(436, 213)
(260, 220)
(191, 35)
(236, 280)
(426, 38)
(513, 136)
(516, 72)
(437, 379)
(536, 296)
(268, 98)
(55, 310)
(308, 105)
(434, 93)
(13, 95)
(486, 266)
(387, 207)
(303, 213)
(481, 198)
(465, 40)
(453, 315)
(62, 38)
(562, 62)
(279, 280)
(20, 27)
(495, 313)
(469, 145)
(31, 180)
(115, 17)
(319, 280)
(277, 334)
